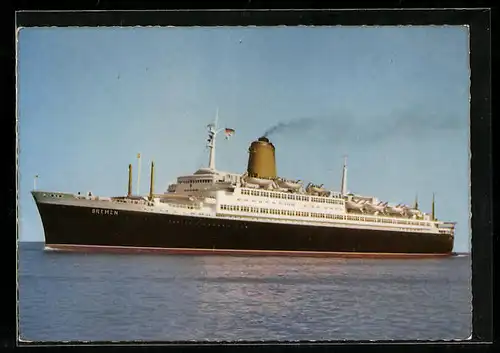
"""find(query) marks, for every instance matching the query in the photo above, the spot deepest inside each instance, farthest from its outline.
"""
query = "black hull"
(72, 226)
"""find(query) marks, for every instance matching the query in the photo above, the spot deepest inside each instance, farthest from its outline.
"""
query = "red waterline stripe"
(186, 251)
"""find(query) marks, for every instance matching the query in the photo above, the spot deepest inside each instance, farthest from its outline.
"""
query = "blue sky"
(394, 99)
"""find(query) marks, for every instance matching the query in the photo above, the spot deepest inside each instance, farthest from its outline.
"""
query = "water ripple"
(214, 298)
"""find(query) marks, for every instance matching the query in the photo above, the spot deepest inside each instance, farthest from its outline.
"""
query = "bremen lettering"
(101, 211)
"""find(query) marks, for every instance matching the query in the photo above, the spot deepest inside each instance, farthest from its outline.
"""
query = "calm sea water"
(70, 296)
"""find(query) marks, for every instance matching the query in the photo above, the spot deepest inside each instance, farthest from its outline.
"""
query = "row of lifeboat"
(282, 184)
(366, 206)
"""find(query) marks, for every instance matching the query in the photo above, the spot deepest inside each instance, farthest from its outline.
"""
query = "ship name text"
(101, 211)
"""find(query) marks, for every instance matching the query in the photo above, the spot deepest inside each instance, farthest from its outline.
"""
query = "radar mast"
(212, 134)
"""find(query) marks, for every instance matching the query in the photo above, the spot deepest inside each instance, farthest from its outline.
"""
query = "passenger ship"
(254, 213)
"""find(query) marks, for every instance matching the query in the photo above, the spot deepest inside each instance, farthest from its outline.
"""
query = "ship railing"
(446, 231)
(446, 225)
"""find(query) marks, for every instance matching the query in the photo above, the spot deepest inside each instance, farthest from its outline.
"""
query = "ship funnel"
(151, 182)
(129, 193)
(261, 159)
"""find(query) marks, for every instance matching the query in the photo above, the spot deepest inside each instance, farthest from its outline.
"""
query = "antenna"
(343, 186)
(216, 117)
(34, 182)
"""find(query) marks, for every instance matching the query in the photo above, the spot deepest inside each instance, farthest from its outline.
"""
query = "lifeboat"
(379, 207)
(246, 183)
(356, 206)
(316, 189)
(399, 210)
(289, 184)
(263, 183)
(414, 212)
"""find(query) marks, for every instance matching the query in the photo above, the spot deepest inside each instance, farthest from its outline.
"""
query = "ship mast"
(138, 172)
(151, 181)
(212, 133)
(343, 187)
(129, 191)
(433, 212)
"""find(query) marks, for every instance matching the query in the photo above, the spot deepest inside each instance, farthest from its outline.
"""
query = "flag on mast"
(229, 132)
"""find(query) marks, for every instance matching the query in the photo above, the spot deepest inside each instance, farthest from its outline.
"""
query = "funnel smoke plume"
(294, 125)
(409, 123)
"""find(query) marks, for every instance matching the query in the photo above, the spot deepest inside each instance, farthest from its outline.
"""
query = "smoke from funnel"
(412, 122)
(294, 125)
